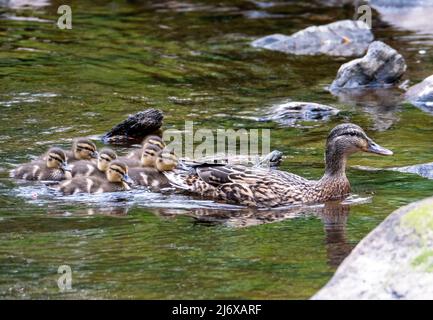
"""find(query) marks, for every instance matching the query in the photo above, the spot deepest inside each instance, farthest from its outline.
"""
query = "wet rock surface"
(421, 95)
(395, 261)
(424, 170)
(382, 66)
(135, 127)
(341, 38)
(290, 113)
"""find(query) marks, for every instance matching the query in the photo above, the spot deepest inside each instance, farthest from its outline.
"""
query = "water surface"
(193, 61)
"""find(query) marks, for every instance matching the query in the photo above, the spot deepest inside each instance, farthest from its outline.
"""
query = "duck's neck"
(335, 179)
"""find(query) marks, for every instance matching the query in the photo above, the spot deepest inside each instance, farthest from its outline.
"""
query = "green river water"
(193, 61)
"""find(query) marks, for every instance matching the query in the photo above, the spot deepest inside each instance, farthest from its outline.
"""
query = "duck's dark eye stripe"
(106, 159)
(58, 159)
(118, 171)
(79, 148)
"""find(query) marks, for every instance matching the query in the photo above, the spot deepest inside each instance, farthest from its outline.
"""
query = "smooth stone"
(395, 261)
(421, 95)
(341, 38)
(424, 170)
(291, 112)
(382, 66)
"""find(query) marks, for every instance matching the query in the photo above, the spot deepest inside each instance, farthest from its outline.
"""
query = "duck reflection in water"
(333, 215)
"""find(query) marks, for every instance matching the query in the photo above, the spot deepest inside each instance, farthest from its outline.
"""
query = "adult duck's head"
(344, 140)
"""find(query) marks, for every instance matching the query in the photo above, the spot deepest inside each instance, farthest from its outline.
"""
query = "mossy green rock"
(395, 261)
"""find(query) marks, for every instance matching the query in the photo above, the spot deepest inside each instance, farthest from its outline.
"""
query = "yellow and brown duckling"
(116, 179)
(82, 149)
(152, 143)
(270, 188)
(153, 177)
(53, 168)
(87, 168)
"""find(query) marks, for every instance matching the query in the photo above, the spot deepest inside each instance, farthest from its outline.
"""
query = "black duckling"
(87, 168)
(116, 179)
(153, 177)
(54, 168)
(270, 188)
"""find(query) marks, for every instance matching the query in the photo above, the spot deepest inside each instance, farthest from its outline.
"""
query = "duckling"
(54, 168)
(258, 187)
(151, 142)
(153, 177)
(82, 149)
(149, 155)
(87, 168)
(117, 179)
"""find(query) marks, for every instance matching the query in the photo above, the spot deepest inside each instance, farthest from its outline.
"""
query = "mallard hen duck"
(270, 188)
(87, 168)
(117, 179)
(54, 168)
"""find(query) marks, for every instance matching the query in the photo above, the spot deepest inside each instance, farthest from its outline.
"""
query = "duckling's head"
(84, 149)
(154, 141)
(106, 155)
(166, 161)
(56, 159)
(349, 138)
(149, 155)
(118, 172)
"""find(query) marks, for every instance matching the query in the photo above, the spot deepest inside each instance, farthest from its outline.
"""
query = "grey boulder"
(382, 66)
(421, 95)
(395, 261)
(341, 38)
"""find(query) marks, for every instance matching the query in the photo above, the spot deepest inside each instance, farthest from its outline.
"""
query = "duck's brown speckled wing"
(253, 186)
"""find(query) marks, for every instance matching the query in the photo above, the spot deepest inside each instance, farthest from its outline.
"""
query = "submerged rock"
(395, 261)
(382, 66)
(421, 95)
(341, 38)
(424, 170)
(291, 112)
(135, 127)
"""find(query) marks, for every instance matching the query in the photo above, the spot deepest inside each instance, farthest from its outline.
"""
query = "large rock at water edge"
(382, 66)
(421, 95)
(341, 38)
(395, 261)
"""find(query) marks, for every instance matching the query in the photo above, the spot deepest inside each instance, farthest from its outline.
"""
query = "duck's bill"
(127, 179)
(373, 147)
(66, 168)
(94, 155)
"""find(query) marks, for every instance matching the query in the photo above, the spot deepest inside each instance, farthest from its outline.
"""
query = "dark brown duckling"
(54, 168)
(117, 179)
(87, 168)
(270, 188)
